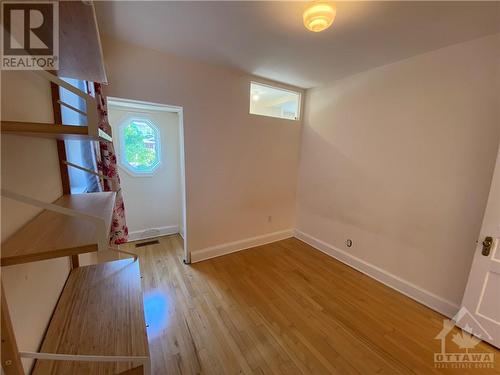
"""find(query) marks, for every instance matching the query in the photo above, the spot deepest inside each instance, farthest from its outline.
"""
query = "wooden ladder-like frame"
(11, 355)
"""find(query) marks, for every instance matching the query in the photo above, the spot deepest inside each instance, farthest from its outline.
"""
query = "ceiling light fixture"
(319, 15)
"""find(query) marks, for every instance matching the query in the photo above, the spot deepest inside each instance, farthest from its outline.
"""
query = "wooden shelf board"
(100, 312)
(53, 235)
(36, 129)
(80, 50)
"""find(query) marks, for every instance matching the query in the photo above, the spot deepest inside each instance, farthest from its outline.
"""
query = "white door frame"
(138, 104)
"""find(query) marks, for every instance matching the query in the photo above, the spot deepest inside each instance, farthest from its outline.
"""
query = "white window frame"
(299, 109)
(122, 160)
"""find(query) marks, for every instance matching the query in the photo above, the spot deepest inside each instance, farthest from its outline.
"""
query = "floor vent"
(147, 243)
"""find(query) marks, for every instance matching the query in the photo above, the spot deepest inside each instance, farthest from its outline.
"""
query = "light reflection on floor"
(156, 311)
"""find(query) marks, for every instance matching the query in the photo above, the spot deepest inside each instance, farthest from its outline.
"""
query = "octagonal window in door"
(140, 146)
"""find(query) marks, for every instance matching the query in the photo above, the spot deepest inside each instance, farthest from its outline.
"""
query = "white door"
(482, 295)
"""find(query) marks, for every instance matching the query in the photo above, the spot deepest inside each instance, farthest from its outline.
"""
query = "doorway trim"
(143, 105)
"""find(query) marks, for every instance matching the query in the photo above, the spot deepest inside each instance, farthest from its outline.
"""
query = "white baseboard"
(152, 233)
(231, 247)
(421, 295)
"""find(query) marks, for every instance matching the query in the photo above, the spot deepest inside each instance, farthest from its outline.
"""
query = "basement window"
(273, 101)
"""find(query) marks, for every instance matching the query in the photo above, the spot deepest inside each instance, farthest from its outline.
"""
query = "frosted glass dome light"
(319, 15)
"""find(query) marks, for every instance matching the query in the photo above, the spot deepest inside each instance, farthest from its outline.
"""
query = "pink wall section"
(399, 159)
(240, 168)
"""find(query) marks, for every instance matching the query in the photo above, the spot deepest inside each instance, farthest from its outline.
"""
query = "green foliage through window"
(140, 142)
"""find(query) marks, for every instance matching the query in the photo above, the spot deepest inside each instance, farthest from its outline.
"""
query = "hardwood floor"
(282, 308)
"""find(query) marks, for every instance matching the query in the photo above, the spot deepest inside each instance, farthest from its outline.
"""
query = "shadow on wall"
(397, 189)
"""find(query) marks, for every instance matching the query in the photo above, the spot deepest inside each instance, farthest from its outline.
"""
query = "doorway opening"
(151, 159)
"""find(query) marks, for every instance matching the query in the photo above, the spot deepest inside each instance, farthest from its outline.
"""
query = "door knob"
(487, 243)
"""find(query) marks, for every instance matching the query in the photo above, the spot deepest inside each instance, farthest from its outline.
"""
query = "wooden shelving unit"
(63, 132)
(52, 234)
(100, 313)
(98, 324)
(89, 131)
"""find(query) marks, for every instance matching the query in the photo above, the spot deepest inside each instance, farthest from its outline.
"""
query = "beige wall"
(240, 168)
(29, 166)
(148, 217)
(399, 159)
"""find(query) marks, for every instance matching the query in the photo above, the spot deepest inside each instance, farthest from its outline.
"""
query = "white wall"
(153, 203)
(399, 159)
(29, 166)
(240, 168)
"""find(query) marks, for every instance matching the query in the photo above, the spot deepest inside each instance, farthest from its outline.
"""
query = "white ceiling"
(268, 39)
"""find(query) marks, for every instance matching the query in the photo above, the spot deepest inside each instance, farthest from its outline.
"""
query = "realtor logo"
(466, 340)
(30, 35)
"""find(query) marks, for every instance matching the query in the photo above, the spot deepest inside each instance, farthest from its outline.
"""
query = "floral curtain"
(106, 165)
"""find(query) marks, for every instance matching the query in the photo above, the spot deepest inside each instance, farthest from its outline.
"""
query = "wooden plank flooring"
(282, 308)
